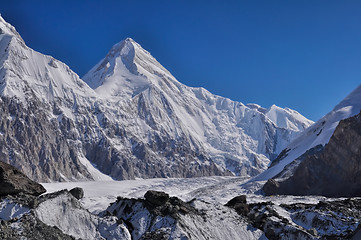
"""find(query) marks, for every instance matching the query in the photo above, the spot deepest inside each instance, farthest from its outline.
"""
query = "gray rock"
(77, 192)
(161, 210)
(52, 63)
(239, 199)
(39, 148)
(271, 187)
(239, 203)
(12, 182)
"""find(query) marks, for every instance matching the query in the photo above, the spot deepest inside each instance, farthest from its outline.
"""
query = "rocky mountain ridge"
(332, 170)
(314, 139)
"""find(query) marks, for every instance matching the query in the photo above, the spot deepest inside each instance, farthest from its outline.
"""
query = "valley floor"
(196, 208)
(99, 194)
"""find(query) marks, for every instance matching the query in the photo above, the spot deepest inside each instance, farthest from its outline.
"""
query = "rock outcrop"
(77, 192)
(12, 182)
(32, 229)
(239, 203)
(57, 215)
(159, 216)
(156, 198)
(335, 171)
(325, 220)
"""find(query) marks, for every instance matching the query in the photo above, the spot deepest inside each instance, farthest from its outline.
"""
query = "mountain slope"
(41, 100)
(318, 134)
(321, 145)
(333, 171)
(240, 138)
(138, 121)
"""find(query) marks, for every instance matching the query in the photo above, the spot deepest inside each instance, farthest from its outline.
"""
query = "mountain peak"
(128, 39)
(122, 48)
(125, 60)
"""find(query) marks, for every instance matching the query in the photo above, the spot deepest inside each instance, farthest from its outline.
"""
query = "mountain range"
(127, 118)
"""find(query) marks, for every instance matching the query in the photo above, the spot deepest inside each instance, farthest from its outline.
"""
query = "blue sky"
(305, 55)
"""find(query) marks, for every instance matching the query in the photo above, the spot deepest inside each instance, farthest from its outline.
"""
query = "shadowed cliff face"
(333, 172)
(12, 182)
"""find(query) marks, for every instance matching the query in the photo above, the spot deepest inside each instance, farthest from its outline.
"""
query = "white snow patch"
(95, 173)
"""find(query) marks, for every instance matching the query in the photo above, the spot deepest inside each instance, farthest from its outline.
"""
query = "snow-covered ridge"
(319, 133)
(27, 72)
(135, 119)
(7, 28)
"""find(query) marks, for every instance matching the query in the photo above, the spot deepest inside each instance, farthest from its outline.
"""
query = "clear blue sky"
(305, 55)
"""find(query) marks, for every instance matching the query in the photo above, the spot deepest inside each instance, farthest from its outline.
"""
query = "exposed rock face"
(160, 204)
(172, 218)
(319, 134)
(12, 181)
(271, 187)
(333, 172)
(144, 218)
(39, 148)
(303, 221)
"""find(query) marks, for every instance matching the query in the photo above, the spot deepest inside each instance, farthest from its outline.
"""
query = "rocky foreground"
(61, 215)
(157, 216)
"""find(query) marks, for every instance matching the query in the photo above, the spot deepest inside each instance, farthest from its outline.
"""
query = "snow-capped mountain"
(240, 138)
(315, 138)
(41, 100)
(135, 120)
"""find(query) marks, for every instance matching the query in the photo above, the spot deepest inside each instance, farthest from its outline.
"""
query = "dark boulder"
(77, 192)
(236, 200)
(239, 204)
(271, 187)
(160, 204)
(12, 182)
(156, 197)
